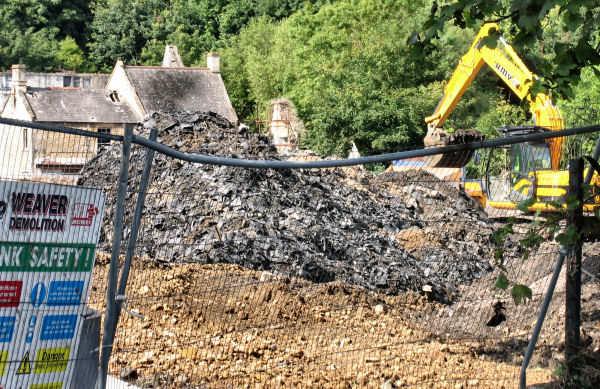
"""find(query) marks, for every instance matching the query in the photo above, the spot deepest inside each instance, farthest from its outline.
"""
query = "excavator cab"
(522, 163)
(530, 157)
(510, 177)
(525, 160)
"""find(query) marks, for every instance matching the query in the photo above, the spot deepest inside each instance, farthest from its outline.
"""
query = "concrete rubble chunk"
(388, 233)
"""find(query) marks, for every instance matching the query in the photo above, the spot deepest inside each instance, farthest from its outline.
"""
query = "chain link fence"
(311, 277)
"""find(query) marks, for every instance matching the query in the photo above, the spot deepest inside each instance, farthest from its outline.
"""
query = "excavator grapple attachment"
(439, 138)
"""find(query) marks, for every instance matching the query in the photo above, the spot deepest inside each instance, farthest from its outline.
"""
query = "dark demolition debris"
(387, 233)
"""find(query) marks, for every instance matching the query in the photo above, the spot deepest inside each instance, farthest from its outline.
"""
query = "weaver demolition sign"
(48, 237)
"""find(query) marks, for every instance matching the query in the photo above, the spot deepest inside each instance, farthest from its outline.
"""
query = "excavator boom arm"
(505, 62)
(468, 67)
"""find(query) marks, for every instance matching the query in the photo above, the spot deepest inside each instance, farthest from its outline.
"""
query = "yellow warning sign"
(54, 385)
(25, 366)
(3, 359)
(51, 360)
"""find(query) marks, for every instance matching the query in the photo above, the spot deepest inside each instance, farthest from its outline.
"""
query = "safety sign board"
(48, 238)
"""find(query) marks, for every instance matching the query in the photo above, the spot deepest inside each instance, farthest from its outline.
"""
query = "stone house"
(130, 93)
(27, 152)
(53, 80)
(159, 88)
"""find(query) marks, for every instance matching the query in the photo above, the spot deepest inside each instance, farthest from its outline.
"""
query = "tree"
(199, 26)
(526, 22)
(238, 14)
(70, 56)
(347, 69)
(584, 108)
(31, 30)
(121, 28)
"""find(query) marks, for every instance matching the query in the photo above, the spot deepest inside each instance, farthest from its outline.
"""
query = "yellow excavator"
(534, 167)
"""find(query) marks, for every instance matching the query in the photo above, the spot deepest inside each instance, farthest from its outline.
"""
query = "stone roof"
(180, 89)
(77, 106)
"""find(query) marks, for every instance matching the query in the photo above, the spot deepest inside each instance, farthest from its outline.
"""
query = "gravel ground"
(319, 278)
(226, 326)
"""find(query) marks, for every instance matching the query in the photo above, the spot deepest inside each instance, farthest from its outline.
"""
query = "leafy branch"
(540, 230)
(525, 21)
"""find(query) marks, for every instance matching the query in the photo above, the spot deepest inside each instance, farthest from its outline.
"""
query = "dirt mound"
(224, 326)
(298, 223)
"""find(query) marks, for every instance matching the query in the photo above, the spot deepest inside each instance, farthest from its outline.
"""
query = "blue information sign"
(58, 327)
(65, 293)
(38, 294)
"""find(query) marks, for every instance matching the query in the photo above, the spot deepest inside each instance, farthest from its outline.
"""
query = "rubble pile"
(392, 233)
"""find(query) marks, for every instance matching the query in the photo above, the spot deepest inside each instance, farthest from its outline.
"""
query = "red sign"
(83, 214)
(10, 293)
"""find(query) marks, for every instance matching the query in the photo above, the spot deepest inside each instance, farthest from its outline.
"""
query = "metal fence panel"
(50, 227)
(327, 278)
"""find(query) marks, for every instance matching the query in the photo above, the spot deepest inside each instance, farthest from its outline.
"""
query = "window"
(103, 141)
(526, 158)
(72, 81)
(87, 82)
(25, 139)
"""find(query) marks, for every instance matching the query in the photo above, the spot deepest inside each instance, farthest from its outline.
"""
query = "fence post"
(573, 276)
(573, 285)
(562, 253)
(137, 217)
(113, 272)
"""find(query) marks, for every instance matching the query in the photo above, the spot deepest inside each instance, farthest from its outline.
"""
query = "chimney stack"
(19, 78)
(213, 62)
(171, 58)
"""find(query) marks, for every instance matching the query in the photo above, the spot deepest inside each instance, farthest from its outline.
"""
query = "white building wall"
(120, 83)
(16, 143)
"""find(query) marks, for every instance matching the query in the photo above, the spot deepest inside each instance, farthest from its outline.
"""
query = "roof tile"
(181, 89)
(78, 106)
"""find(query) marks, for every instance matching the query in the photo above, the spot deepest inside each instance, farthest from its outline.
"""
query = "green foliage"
(586, 375)
(524, 205)
(70, 56)
(559, 371)
(502, 282)
(527, 22)
(199, 26)
(33, 48)
(584, 109)
(520, 293)
(357, 82)
(346, 68)
(30, 30)
(121, 28)
(237, 14)
(498, 237)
